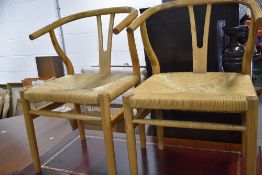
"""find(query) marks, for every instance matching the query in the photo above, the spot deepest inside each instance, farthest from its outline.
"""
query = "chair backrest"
(199, 52)
(104, 54)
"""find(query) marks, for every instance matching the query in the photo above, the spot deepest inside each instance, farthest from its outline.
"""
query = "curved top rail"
(183, 3)
(132, 15)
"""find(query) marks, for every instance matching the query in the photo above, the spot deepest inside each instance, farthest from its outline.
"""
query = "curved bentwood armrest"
(104, 55)
(105, 11)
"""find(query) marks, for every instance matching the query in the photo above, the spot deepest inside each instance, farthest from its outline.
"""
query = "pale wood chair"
(96, 89)
(194, 91)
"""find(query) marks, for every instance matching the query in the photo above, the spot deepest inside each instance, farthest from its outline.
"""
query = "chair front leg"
(244, 138)
(251, 124)
(108, 134)
(130, 133)
(80, 123)
(31, 133)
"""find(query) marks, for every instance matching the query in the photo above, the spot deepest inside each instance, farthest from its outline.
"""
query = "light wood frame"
(107, 120)
(250, 116)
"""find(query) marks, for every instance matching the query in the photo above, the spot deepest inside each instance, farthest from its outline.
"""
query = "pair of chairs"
(190, 91)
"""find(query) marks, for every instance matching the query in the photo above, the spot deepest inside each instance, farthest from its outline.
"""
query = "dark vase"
(233, 53)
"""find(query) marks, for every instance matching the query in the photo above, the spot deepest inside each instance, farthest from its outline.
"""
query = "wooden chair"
(194, 91)
(97, 89)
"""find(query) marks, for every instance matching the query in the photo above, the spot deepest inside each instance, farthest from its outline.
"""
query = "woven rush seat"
(210, 91)
(82, 88)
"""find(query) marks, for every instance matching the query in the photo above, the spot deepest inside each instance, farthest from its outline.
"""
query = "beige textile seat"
(82, 88)
(212, 91)
(97, 89)
(194, 91)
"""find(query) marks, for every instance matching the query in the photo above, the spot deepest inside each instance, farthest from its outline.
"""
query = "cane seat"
(82, 88)
(211, 91)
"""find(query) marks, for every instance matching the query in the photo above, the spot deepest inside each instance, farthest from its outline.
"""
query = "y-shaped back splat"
(199, 54)
(105, 54)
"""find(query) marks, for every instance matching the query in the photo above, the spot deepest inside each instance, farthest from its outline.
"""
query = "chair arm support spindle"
(61, 53)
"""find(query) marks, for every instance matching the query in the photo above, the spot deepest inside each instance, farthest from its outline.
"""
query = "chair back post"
(247, 59)
(131, 42)
(256, 20)
(104, 55)
(149, 50)
(199, 53)
(134, 55)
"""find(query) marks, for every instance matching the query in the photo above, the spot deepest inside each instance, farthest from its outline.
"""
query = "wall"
(259, 2)
(18, 18)
(81, 38)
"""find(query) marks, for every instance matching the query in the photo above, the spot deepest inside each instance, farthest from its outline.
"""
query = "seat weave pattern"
(82, 88)
(212, 91)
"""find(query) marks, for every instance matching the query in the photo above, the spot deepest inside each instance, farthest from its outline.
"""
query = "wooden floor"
(14, 147)
(71, 156)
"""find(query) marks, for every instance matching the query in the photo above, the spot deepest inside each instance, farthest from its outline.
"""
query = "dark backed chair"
(198, 91)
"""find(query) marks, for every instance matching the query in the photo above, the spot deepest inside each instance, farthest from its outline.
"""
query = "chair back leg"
(80, 124)
(160, 130)
(142, 136)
